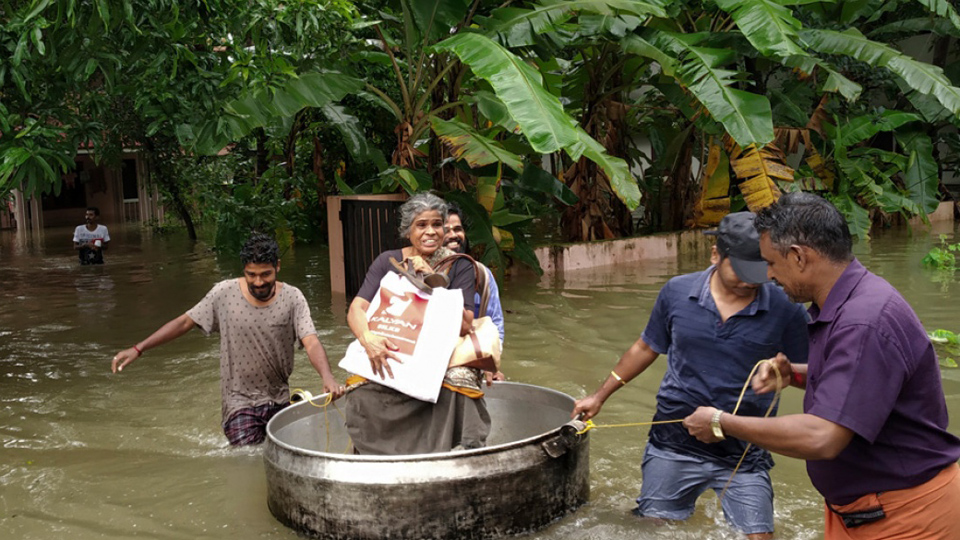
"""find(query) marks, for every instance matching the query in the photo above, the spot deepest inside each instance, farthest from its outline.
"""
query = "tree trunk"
(941, 51)
(678, 192)
(162, 153)
(448, 178)
(181, 209)
(318, 171)
(262, 164)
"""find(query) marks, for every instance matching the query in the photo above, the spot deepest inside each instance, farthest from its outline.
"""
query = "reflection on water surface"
(88, 454)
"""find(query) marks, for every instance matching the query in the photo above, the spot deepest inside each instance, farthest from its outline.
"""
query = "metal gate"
(369, 229)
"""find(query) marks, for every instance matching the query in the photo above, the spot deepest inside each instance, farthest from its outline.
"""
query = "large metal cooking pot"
(535, 470)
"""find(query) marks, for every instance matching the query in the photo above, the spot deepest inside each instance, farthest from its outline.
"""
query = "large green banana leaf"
(773, 30)
(472, 147)
(770, 27)
(516, 27)
(858, 217)
(921, 77)
(921, 174)
(243, 115)
(928, 106)
(944, 9)
(538, 112)
(353, 137)
(435, 18)
(861, 128)
(919, 25)
(745, 116)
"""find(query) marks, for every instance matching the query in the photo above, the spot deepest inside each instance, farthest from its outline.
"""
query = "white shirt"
(82, 235)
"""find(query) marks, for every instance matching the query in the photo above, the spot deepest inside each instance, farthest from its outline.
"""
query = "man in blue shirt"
(455, 239)
(714, 326)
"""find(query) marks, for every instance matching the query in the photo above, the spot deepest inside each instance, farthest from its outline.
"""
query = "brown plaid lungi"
(249, 426)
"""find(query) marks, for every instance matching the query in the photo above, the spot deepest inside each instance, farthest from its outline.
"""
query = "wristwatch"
(715, 425)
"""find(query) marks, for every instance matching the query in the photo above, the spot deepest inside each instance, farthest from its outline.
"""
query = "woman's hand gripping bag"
(424, 326)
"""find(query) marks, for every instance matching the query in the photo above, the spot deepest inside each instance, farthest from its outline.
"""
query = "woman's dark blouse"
(461, 277)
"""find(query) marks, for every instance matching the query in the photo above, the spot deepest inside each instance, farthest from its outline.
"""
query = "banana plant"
(441, 71)
(700, 51)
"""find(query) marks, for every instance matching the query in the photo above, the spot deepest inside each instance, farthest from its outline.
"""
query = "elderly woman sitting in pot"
(383, 421)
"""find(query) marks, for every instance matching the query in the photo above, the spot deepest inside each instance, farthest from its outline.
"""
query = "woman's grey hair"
(416, 205)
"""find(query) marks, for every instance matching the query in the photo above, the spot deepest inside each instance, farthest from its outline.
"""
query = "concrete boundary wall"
(560, 258)
(944, 212)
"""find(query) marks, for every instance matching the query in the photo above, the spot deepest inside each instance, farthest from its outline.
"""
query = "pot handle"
(570, 435)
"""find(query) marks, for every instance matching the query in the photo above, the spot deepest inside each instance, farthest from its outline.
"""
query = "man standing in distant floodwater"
(91, 238)
(259, 320)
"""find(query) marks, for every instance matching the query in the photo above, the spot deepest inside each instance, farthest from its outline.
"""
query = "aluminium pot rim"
(437, 456)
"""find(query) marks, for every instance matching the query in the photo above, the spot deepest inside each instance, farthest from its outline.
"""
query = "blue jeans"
(672, 483)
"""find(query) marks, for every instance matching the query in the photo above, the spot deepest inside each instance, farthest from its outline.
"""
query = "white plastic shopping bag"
(425, 327)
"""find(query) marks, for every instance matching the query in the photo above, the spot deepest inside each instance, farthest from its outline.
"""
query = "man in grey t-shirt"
(260, 320)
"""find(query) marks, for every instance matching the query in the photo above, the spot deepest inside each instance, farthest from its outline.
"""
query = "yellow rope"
(304, 393)
(773, 403)
(588, 425)
(326, 421)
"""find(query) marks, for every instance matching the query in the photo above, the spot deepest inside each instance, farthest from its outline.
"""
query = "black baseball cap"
(738, 240)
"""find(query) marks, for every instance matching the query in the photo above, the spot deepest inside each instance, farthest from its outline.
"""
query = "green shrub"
(942, 257)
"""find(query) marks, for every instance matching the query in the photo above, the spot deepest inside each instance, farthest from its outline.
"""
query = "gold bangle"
(715, 426)
(618, 378)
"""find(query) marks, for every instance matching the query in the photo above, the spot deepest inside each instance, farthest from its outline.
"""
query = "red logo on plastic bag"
(399, 318)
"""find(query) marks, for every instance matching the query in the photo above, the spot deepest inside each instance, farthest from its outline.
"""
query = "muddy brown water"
(87, 454)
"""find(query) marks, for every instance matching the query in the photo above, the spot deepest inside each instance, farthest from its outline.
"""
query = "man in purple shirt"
(874, 427)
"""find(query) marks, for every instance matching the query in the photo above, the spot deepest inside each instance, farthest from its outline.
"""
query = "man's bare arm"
(168, 332)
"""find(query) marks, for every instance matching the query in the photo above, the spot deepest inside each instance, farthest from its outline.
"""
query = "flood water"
(87, 454)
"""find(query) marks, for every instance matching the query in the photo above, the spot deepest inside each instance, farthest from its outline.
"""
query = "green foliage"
(262, 108)
(518, 27)
(474, 148)
(922, 78)
(745, 116)
(949, 344)
(920, 175)
(944, 256)
(69, 65)
(317, 97)
(944, 9)
(903, 181)
(520, 87)
(769, 26)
